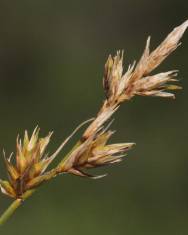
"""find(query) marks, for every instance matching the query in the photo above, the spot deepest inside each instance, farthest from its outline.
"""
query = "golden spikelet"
(30, 163)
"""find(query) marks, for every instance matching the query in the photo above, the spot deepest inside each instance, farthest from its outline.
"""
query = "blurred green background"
(51, 64)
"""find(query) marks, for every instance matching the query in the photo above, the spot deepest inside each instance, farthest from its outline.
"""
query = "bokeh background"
(51, 64)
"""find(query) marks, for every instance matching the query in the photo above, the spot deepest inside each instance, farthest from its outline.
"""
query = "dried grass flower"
(30, 166)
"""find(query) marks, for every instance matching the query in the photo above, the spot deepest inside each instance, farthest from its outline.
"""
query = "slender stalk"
(11, 209)
(5, 216)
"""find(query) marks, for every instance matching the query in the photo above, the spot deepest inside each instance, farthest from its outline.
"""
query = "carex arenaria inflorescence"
(29, 167)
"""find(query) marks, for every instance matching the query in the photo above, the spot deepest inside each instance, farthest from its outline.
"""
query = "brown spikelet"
(137, 81)
(94, 152)
(29, 163)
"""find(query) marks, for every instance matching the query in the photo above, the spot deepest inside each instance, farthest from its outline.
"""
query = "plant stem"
(5, 216)
(11, 209)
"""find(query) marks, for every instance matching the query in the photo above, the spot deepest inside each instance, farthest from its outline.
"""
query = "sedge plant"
(29, 167)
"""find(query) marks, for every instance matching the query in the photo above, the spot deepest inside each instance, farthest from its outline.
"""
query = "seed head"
(94, 152)
(30, 163)
(137, 80)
